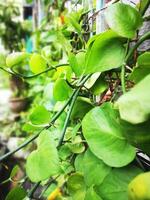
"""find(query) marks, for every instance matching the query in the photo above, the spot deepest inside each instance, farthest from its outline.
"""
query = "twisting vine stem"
(70, 110)
(14, 73)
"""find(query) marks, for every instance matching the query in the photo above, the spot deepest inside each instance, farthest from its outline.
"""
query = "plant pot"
(18, 104)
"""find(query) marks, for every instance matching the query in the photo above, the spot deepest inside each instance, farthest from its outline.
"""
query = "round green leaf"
(43, 162)
(93, 168)
(61, 90)
(107, 52)
(142, 68)
(134, 105)
(79, 165)
(144, 60)
(123, 19)
(15, 58)
(76, 186)
(40, 116)
(77, 145)
(37, 63)
(115, 185)
(64, 152)
(104, 136)
(17, 193)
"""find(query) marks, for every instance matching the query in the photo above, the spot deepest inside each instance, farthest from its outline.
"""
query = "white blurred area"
(4, 102)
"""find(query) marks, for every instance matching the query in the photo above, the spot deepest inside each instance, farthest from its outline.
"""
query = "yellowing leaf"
(139, 187)
(37, 63)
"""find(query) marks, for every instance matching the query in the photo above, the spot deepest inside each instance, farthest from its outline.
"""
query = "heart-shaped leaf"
(79, 165)
(76, 186)
(61, 90)
(77, 145)
(43, 162)
(103, 134)
(77, 62)
(123, 19)
(134, 105)
(37, 63)
(105, 53)
(93, 168)
(40, 116)
(142, 68)
(17, 193)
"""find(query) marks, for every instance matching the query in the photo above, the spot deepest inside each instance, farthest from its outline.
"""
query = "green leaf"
(14, 171)
(99, 86)
(142, 68)
(103, 134)
(73, 20)
(138, 135)
(17, 193)
(79, 165)
(123, 19)
(115, 185)
(64, 152)
(77, 62)
(43, 162)
(94, 170)
(28, 127)
(37, 63)
(134, 105)
(76, 186)
(61, 90)
(92, 80)
(82, 104)
(107, 52)
(40, 116)
(144, 60)
(16, 58)
(92, 195)
(77, 145)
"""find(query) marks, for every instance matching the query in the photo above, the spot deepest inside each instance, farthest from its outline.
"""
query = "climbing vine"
(95, 121)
